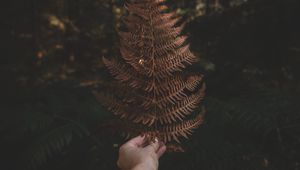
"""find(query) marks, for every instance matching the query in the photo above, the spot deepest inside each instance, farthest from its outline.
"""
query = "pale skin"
(134, 155)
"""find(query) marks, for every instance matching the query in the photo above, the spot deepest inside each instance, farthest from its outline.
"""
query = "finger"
(154, 146)
(118, 163)
(137, 141)
(161, 151)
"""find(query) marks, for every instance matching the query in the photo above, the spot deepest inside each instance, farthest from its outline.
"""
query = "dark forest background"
(51, 54)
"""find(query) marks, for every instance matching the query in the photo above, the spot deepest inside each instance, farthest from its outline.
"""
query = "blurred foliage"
(51, 58)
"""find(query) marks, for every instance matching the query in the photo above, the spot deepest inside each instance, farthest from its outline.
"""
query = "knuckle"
(121, 150)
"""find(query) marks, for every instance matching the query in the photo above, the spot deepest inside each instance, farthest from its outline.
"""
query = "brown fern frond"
(177, 92)
(173, 132)
(163, 48)
(128, 21)
(124, 74)
(164, 17)
(124, 110)
(154, 95)
(168, 23)
(193, 82)
(171, 83)
(166, 133)
(138, 10)
(173, 91)
(181, 109)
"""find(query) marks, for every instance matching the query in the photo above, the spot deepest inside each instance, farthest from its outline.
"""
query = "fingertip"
(161, 151)
(137, 141)
(118, 163)
(161, 144)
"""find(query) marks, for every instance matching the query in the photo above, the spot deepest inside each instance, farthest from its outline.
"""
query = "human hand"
(133, 155)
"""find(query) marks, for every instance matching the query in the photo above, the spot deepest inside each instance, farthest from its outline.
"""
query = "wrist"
(144, 167)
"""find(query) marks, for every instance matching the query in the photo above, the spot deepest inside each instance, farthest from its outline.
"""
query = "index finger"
(137, 141)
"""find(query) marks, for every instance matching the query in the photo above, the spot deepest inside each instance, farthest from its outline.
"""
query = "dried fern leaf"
(154, 95)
